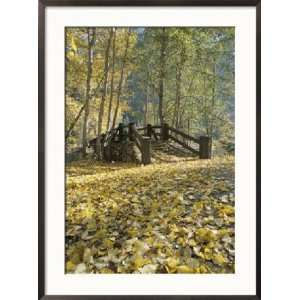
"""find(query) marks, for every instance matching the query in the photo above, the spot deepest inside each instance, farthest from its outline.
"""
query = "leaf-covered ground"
(161, 218)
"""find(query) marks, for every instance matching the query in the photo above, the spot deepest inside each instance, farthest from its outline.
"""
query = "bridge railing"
(201, 146)
(203, 143)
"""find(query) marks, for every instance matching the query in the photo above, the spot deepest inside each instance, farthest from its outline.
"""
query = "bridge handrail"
(141, 128)
(184, 144)
(142, 138)
(186, 136)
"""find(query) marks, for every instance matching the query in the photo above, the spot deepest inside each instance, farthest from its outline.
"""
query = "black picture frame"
(41, 143)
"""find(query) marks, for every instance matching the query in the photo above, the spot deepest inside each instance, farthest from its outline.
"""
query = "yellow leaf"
(100, 234)
(202, 269)
(87, 255)
(181, 241)
(73, 45)
(227, 210)
(198, 205)
(192, 243)
(211, 245)
(106, 271)
(108, 243)
(132, 232)
(206, 234)
(140, 261)
(218, 259)
(141, 247)
(172, 262)
(184, 269)
(70, 266)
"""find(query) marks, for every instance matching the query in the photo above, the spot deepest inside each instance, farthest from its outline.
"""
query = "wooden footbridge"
(114, 145)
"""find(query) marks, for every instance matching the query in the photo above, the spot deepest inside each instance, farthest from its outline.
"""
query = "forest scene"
(149, 150)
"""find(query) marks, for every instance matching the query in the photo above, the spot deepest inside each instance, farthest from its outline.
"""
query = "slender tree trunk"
(179, 71)
(146, 105)
(177, 98)
(121, 79)
(153, 95)
(213, 96)
(163, 45)
(91, 42)
(112, 79)
(68, 133)
(103, 96)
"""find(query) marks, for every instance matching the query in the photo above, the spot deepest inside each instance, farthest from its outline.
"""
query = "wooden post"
(131, 127)
(205, 147)
(164, 131)
(121, 132)
(92, 144)
(146, 150)
(149, 130)
(124, 152)
(101, 144)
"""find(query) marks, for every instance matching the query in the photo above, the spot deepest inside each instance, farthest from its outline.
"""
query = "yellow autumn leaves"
(162, 218)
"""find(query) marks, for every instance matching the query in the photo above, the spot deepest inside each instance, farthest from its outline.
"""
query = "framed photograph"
(149, 149)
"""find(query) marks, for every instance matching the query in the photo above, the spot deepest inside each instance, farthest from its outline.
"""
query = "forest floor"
(161, 218)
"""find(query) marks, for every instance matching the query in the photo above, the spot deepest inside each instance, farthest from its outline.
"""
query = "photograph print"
(149, 150)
